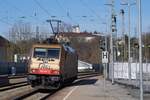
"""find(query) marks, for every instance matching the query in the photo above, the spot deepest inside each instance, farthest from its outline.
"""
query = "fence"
(121, 70)
(6, 68)
(121, 74)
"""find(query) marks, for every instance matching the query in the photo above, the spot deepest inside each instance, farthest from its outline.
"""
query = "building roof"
(72, 34)
(3, 41)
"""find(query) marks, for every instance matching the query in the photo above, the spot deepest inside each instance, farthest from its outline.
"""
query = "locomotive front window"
(40, 52)
(53, 53)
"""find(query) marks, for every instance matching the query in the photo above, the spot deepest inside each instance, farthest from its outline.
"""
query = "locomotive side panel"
(70, 65)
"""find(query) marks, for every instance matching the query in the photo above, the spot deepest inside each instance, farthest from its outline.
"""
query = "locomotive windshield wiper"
(52, 59)
(40, 57)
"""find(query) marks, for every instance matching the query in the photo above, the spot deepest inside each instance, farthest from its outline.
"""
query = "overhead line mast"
(113, 32)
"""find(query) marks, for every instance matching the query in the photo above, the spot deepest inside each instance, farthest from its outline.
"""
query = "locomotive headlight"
(32, 77)
(33, 70)
(55, 78)
(56, 72)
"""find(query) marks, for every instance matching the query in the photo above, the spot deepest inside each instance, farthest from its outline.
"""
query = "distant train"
(51, 65)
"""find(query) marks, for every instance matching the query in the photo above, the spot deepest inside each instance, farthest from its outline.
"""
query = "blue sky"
(70, 11)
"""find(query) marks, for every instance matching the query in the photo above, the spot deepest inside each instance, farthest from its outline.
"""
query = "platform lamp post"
(140, 47)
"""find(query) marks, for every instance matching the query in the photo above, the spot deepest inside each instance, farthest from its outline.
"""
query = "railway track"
(17, 76)
(35, 94)
(25, 94)
(19, 84)
(13, 86)
(85, 75)
(24, 83)
(31, 93)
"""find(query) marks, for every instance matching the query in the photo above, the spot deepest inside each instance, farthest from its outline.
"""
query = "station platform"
(94, 88)
(101, 90)
(135, 84)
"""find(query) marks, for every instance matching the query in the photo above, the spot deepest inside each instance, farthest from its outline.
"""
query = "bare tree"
(20, 31)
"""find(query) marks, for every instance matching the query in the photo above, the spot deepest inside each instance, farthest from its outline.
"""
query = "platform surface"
(94, 88)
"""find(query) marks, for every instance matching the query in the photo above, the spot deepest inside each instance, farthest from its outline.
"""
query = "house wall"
(6, 50)
(3, 54)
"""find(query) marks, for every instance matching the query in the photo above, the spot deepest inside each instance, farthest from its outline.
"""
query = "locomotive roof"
(68, 48)
(47, 45)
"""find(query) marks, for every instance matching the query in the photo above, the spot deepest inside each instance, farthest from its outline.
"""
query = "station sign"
(104, 56)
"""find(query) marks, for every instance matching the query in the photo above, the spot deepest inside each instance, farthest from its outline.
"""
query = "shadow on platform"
(85, 82)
